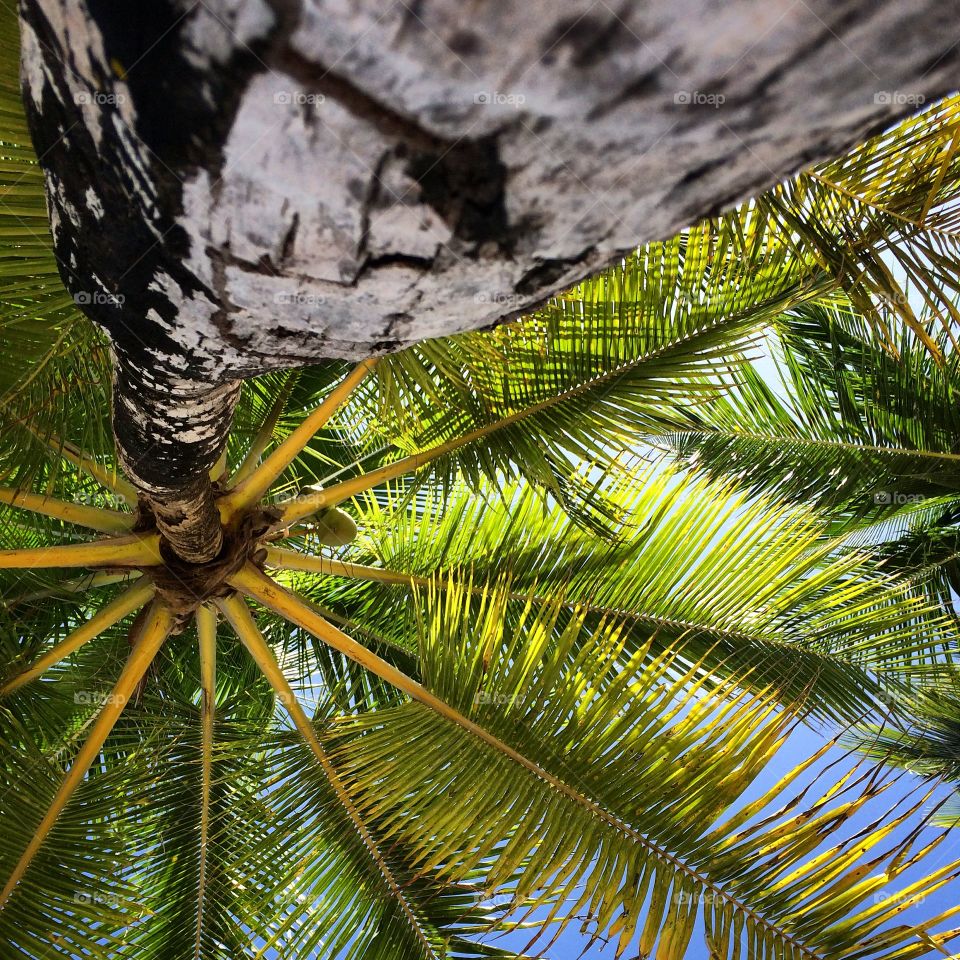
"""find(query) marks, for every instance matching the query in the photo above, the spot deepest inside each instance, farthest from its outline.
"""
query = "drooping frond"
(408, 930)
(928, 743)
(859, 431)
(869, 438)
(696, 569)
(883, 220)
(621, 805)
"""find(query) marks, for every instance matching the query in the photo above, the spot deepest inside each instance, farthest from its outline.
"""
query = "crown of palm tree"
(516, 660)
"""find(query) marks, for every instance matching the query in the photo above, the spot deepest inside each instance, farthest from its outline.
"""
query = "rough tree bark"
(243, 185)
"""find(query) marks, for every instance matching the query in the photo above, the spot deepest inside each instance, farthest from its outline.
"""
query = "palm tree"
(490, 652)
(237, 187)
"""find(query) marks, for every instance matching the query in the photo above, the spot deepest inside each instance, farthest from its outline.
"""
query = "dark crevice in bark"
(466, 185)
(840, 25)
(289, 239)
(392, 259)
(368, 194)
(640, 87)
(591, 37)
(319, 78)
(549, 272)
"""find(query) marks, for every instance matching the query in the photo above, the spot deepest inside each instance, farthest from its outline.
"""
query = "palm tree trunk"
(169, 435)
(250, 185)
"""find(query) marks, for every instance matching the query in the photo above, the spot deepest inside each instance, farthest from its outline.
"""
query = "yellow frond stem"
(207, 636)
(112, 613)
(261, 479)
(283, 559)
(291, 560)
(106, 521)
(238, 614)
(155, 630)
(133, 551)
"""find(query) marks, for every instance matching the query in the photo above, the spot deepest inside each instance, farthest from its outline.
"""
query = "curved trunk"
(244, 185)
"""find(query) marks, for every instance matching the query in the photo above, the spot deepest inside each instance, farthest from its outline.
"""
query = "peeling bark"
(245, 185)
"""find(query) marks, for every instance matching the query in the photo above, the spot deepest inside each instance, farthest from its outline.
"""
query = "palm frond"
(754, 590)
(622, 802)
(926, 740)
